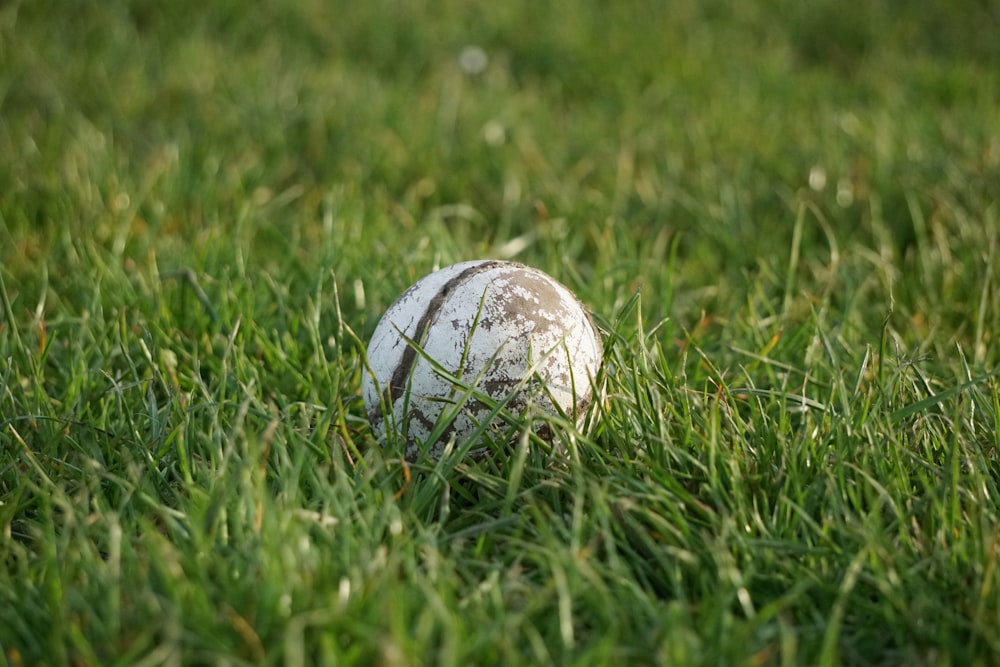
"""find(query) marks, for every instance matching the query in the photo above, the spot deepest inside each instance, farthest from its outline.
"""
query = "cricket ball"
(470, 340)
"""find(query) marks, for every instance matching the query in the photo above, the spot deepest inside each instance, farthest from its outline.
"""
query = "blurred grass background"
(635, 126)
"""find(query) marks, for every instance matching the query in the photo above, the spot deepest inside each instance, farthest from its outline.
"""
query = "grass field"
(783, 215)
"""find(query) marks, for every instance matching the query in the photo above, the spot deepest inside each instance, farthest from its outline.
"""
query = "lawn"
(784, 217)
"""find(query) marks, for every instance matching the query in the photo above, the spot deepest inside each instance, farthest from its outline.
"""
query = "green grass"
(784, 217)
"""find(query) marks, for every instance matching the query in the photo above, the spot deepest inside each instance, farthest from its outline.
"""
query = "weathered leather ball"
(509, 331)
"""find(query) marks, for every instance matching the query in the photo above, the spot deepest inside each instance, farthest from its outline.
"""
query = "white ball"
(511, 331)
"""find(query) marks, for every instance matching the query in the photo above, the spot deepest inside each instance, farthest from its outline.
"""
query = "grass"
(784, 218)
